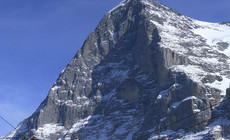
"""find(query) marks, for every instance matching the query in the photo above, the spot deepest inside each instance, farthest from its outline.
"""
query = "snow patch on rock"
(48, 129)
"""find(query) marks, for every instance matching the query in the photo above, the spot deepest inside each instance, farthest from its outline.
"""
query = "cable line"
(187, 128)
(156, 131)
(163, 128)
(13, 127)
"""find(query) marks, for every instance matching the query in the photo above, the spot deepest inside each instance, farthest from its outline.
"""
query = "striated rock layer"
(145, 72)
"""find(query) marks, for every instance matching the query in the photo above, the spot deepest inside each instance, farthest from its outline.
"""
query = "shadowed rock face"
(122, 83)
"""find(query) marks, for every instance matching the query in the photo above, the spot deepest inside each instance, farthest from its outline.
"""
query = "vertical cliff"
(143, 73)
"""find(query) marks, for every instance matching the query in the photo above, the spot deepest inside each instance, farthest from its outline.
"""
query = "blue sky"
(39, 37)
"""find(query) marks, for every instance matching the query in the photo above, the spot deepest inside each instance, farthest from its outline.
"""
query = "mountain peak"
(136, 72)
(149, 6)
(126, 3)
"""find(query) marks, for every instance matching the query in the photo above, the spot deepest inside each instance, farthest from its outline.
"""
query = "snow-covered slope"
(206, 46)
(139, 75)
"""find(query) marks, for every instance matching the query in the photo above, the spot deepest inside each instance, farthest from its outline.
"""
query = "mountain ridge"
(137, 71)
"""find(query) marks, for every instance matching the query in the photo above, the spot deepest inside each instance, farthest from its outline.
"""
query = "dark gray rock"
(225, 23)
(121, 83)
(222, 45)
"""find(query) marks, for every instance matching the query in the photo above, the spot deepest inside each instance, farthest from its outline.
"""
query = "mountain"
(145, 72)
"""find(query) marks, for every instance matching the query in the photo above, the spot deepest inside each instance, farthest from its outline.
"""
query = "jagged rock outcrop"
(138, 75)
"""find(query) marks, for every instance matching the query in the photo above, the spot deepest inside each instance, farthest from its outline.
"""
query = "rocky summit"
(146, 72)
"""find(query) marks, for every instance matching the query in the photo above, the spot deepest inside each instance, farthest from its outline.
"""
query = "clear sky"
(39, 37)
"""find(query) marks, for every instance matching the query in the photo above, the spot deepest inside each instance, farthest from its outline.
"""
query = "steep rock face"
(139, 75)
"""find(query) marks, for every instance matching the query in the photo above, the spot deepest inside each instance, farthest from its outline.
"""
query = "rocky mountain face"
(145, 72)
